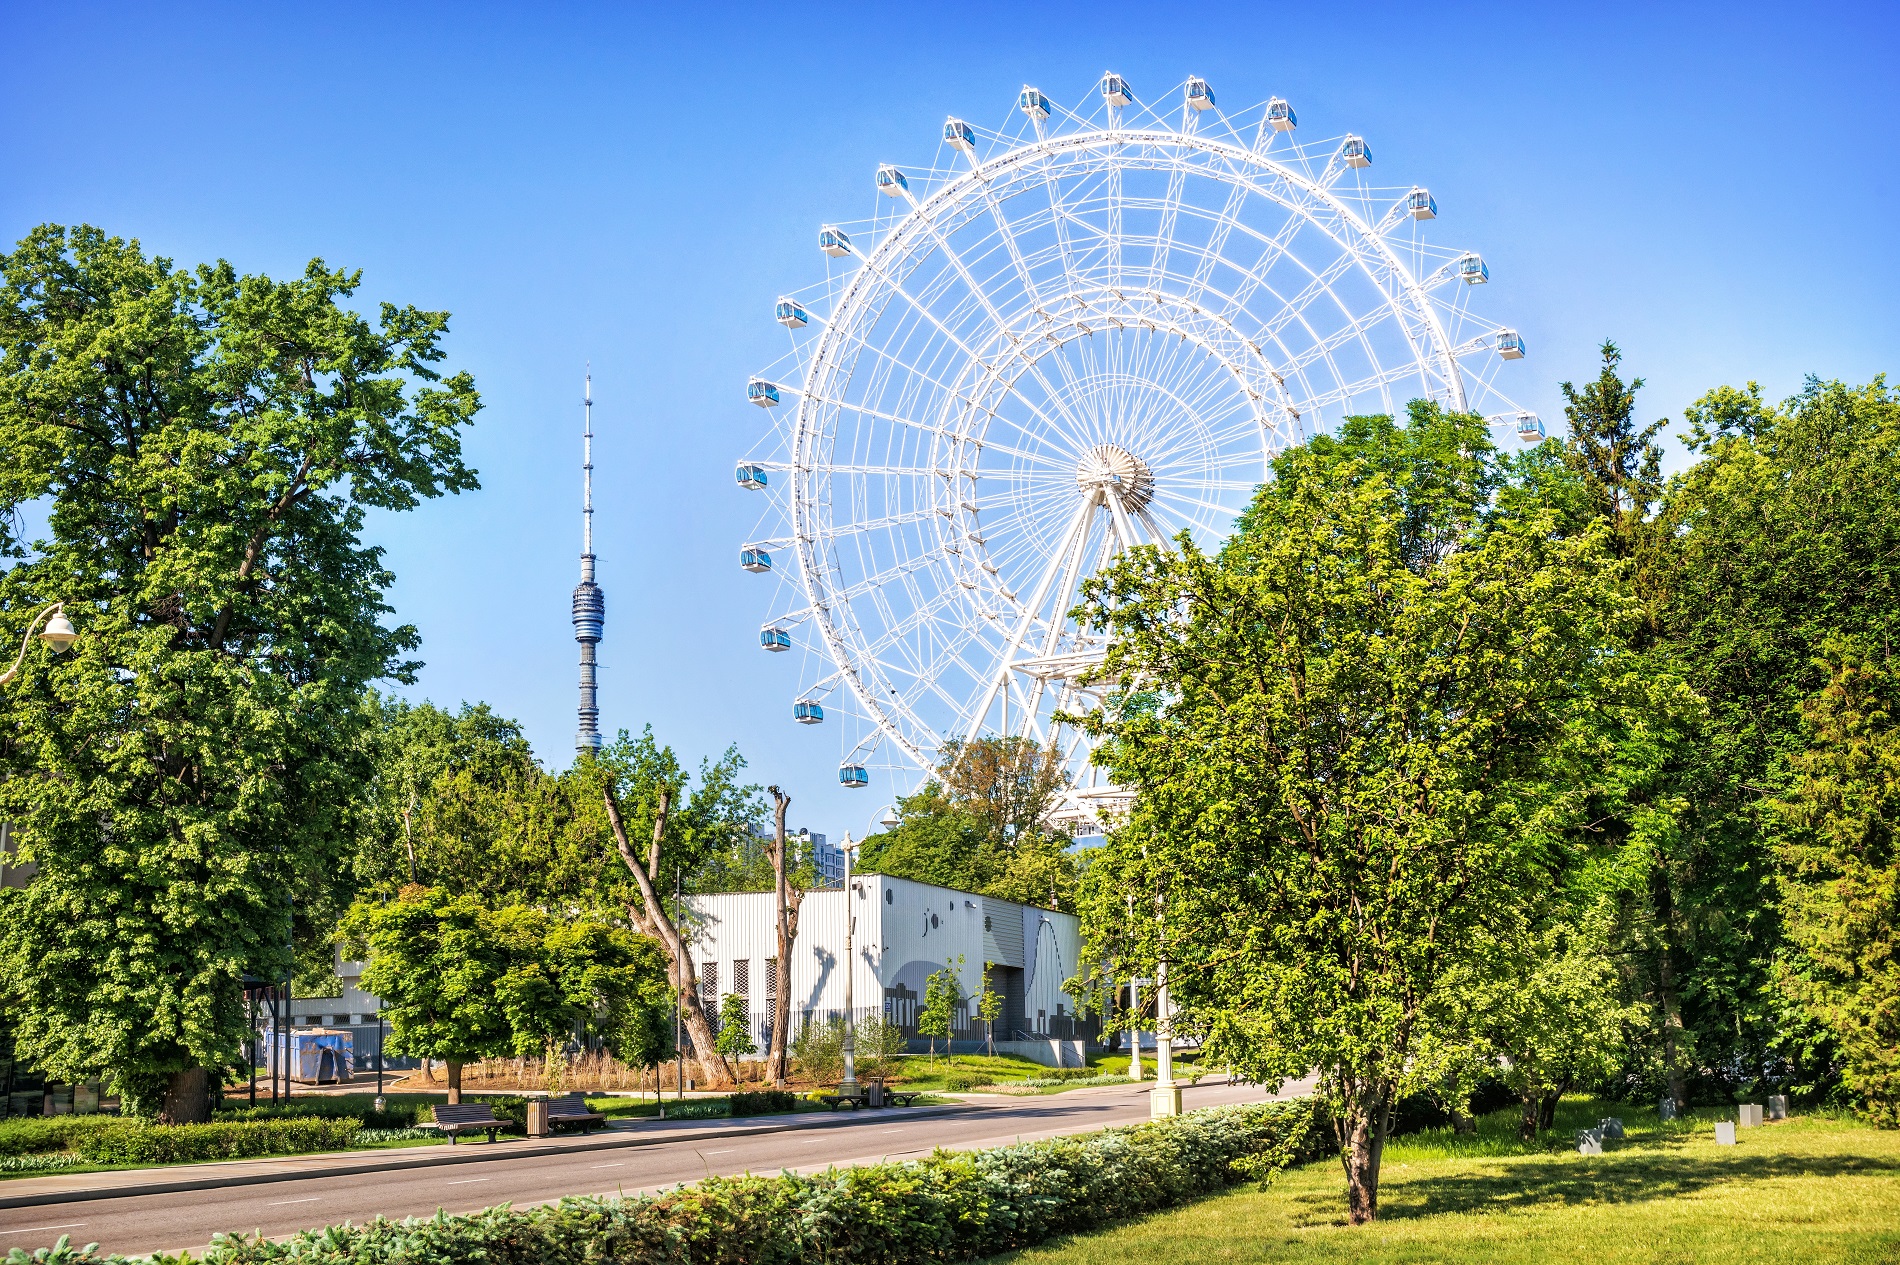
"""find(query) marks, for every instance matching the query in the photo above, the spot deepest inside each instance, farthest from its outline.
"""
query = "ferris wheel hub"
(1107, 466)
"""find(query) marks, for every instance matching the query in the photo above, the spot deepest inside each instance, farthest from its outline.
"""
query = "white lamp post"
(59, 633)
(850, 1083)
(1165, 1098)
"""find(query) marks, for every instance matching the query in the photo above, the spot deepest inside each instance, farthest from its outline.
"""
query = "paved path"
(300, 1194)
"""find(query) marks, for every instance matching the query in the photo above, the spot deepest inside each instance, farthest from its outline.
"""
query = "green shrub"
(38, 1135)
(946, 1207)
(762, 1102)
(131, 1142)
(964, 1082)
(38, 1163)
(401, 1113)
(370, 1137)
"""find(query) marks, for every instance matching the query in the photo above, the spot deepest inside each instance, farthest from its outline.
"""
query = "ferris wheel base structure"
(1080, 333)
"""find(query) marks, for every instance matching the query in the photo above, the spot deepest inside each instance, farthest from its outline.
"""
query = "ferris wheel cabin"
(790, 315)
(1472, 269)
(891, 182)
(1199, 95)
(807, 712)
(1280, 116)
(1115, 90)
(1530, 428)
(957, 134)
(777, 640)
(1510, 344)
(834, 242)
(1355, 152)
(762, 393)
(1420, 203)
(1033, 103)
(853, 775)
(755, 560)
(750, 477)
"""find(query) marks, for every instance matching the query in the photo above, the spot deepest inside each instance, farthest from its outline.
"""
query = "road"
(172, 1221)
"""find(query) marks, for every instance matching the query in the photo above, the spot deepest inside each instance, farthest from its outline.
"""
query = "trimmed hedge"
(763, 1102)
(135, 1143)
(948, 1207)
(39, 1135)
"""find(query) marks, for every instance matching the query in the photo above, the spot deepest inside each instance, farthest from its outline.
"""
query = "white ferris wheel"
(1085, 330)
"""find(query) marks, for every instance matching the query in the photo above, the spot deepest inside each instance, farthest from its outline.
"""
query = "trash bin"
(538, 1118)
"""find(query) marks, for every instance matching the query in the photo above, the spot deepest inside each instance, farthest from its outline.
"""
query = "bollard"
(1725, 1133)
(1777, 1106)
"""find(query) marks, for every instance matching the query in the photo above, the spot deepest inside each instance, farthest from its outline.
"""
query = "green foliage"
(460, 980)
(1383, 708)
(136, 1143)
(208, 445)
(938, 1012)
(949, 1206)
(762, 1102)
(1841, 891)
(735, 1027)
(37, 1135)
(818, 1049)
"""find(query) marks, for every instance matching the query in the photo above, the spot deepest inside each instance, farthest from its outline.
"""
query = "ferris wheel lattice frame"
(1071, 335)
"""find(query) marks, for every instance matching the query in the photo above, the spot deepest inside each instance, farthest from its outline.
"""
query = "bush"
(402, 1113)
(763, 1102)
(131, 1142)
(38, 1135)
(964, 1082)
(946, 1207)
(370, 1137)
(38, 1163)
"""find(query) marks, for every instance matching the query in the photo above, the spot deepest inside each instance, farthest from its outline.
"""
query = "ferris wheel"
(1085, 330)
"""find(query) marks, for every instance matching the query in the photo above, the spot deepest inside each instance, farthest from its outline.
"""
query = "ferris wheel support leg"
(1000, 678)
(1123, 528)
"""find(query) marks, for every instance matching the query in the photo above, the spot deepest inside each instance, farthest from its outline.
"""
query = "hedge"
(951, 1206)
(40, 1134)
(762, 1102)
(132, 1142)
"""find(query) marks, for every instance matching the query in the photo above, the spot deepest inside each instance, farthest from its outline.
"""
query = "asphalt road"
(178, 1220)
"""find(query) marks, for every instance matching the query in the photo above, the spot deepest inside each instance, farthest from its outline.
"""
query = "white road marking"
(890, 1130)
(465, 1181)
(620, 1164)
(281, 1202)
(724, 1150)
(35, 1229)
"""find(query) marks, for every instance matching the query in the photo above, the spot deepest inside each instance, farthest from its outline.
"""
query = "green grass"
(1807, 1191)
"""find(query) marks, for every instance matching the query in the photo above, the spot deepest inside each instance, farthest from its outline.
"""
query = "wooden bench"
(461, 1118)
(573, 1109)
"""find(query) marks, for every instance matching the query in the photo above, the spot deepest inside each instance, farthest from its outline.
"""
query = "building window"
(887, 896)
(771, 980)
(742, 977)
(900, 1009)
(709, 987)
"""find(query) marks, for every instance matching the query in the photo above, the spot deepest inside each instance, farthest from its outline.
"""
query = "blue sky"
(1714, 187)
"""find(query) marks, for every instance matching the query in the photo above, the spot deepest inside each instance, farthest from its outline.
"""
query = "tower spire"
(590, 605)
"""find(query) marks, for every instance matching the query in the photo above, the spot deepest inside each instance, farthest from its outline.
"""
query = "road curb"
(474, 1155)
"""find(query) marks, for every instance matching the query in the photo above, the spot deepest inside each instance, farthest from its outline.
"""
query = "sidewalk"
(24, 1192)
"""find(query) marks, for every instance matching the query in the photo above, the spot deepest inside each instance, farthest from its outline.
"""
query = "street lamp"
(58, 633)
(849, 1086)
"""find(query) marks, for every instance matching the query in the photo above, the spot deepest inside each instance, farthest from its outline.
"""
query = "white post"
(1134, 1033)
(1165, 1098)
(850, 1083)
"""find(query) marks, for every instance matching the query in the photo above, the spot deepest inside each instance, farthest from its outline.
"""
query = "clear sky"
(1715, 187)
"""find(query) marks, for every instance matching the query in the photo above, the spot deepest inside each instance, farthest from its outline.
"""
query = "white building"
(905, 931)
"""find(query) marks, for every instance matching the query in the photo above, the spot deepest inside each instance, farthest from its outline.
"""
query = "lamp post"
(849, 1086)
(1165, 1098)
(58, 633)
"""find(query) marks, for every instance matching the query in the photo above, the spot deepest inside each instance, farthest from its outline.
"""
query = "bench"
(459, 1118)
(873, 1093)
(573, 1109)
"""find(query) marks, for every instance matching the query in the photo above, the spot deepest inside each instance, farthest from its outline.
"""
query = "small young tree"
(735, 1031)
(644, 1039)
(940, 1006)
(879, 1042)
(989, 1008)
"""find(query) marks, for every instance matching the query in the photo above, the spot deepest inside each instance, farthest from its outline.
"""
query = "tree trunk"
(1366, 1120)
(1527, 1127)
(1671, 1004)
(786, 904)
(1462, 1121)
(649, 918)
(187, 1098)
(455, 1080)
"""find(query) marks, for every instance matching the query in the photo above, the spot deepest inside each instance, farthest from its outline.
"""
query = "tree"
(787, 898)
(1841, 884)
(933, 842)
(735, 1031)
(941, 996)
(207, 445)
(1376, 711)
(1619, 466)
(989, 1008)
(711, 820)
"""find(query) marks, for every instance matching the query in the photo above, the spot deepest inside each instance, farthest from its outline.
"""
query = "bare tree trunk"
(1527, 1126)
(786, 903)
(187, 1098)
(455, 1080)
(650, 918)
(1368, 1112)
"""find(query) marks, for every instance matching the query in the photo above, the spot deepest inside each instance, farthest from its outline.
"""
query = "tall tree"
(208, 445)
(1620, 465)
(788, 897)
(1375, 709)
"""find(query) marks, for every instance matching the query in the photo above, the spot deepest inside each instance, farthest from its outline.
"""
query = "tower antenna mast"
(590, 604)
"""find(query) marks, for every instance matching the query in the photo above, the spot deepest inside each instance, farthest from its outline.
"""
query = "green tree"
(989, 1008)
(938, 1013)
(1378, 710)
(1841, 889)
(735, 1029)
(207, 446)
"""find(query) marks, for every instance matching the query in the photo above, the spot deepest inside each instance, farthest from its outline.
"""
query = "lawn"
(1811, 1190)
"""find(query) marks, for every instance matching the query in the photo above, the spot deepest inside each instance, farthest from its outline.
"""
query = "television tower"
(590, 604)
